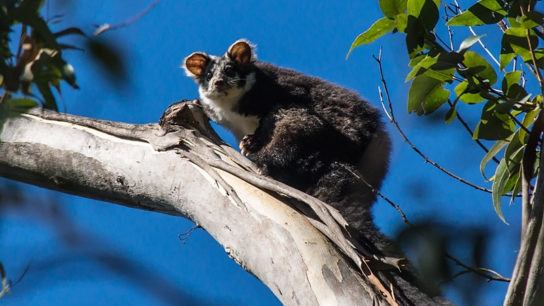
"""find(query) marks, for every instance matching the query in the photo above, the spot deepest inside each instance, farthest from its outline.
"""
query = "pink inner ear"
(240, 53)
(196, 64)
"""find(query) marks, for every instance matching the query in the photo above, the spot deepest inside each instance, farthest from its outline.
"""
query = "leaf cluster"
(442, 76)
(36, 62)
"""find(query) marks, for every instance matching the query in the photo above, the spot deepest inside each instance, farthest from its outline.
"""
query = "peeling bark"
(184, 169)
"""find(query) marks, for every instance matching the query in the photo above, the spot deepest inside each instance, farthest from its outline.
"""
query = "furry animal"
(308, 133)
(313, 135)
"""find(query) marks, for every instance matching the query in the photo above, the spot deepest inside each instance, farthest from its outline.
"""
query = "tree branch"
(405, 138)
(180, 171)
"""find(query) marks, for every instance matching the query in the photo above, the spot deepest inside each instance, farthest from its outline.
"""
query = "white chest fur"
(221, 107)
(238, 124)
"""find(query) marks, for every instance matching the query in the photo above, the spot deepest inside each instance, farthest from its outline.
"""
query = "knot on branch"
(189, 115)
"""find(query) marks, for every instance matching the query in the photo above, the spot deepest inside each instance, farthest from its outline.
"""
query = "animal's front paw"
(247, 145)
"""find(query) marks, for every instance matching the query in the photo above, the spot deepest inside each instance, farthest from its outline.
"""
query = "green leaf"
(493, 125)
(517, 93)
(415, 60)
(391, 8)
(377, 30)
(465, 95)
(501, 178)
(32, 6)
(426, 95)
(514, 42)
(509, 79)
(527, 121)
(47, 94)
(469, 41)
(401, 22)
(532, 19)
(426, 11)
(445, 75)
(514, 151)
(41, 30)
(451, 114)
(474, 60)
(440, 67)
(423, 63)
(496, 148)
(415, 36)
(416, 7)
(16, 106)
(483, 12)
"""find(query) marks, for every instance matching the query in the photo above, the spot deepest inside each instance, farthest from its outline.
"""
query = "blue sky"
(310, 36)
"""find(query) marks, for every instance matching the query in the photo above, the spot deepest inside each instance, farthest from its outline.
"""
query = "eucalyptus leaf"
(514, 42)
(501, 178)
(483, 12)
(469, 42)
(474, 60)
(493, 125)
(451, 114)
(426, 12)
(377, 30)
(423, 63)
(426, 95)
(391, 8)
(401, 22)
(509, 79)
(496, 148)
(532, 19)
(465, 96)
(15, 106)
(47, 94)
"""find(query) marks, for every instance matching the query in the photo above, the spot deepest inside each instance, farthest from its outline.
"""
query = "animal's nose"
(219, 83)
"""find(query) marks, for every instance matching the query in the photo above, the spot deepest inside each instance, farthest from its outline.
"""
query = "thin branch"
(405, 138)
(469, 130)
(484, 272)
(450, 32)
(459, 11)
(106, 27)
(521, 126)
(378, 193)
(537, 32)
(184, 236)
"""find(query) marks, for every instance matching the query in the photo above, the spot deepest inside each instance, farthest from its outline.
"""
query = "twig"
(484, 272)
(469, 130)
(378, 193)
(450, 32)
(405, 138)
(184, 236)
(521, 126)
(106, 27)
(459, 11)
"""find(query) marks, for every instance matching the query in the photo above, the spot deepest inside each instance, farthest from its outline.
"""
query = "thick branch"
(180, 172)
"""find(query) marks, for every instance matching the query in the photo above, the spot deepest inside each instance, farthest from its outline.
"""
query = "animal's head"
(228, 75)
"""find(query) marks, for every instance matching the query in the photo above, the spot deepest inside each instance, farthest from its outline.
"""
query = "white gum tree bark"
(181, 168)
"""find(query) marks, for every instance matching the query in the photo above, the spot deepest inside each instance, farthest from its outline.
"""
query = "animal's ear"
(241, 52)
(195, 64)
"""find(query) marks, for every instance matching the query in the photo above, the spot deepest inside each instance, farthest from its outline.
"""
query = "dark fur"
(313, 135)
(306, 126)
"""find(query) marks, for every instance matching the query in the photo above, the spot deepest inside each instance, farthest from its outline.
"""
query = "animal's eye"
(229, 71)
(209, 76)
